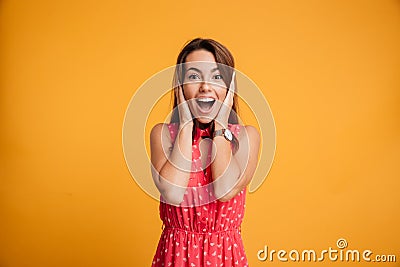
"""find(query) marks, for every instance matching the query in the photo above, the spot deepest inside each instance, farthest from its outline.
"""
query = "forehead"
(201, 59)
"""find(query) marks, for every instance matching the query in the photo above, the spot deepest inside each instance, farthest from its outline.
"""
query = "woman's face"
(204, 88)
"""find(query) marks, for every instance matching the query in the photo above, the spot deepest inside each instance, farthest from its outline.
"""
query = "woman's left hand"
(223, 114)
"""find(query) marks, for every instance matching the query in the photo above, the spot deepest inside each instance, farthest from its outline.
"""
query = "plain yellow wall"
(330, 71)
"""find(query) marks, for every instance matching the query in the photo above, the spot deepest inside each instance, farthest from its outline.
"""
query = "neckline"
(203, 132)
(202, 126)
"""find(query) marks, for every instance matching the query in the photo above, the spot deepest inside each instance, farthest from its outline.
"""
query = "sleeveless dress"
(202, 231)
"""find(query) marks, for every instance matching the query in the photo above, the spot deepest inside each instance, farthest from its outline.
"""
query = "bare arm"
(171, 164)
(232, 173)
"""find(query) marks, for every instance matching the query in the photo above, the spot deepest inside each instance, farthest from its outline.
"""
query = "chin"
(204, 120)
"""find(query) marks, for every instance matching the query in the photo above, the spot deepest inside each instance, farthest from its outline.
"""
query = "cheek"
(189, 90)
(221, 94)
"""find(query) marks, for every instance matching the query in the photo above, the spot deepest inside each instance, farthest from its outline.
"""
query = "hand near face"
(185, 116)
(223, 114)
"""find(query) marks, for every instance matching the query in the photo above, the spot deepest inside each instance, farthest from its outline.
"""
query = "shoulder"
(249, 134)
(161, 130)
(157, 129)
(245, 131)
(251, 131)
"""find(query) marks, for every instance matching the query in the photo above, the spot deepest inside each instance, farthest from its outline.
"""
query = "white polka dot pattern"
(201, 235)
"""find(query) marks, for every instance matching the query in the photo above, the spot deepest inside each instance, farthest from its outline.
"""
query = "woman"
(202, 162)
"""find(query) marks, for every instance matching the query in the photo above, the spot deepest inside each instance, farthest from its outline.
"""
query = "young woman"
(202, 162)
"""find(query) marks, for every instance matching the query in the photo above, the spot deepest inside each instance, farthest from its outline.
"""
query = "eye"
(193, 76)
(218, 76)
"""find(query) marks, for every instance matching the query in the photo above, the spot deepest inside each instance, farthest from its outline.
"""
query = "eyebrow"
(199, 71)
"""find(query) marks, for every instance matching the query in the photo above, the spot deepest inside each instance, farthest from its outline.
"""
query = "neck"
(202, 125)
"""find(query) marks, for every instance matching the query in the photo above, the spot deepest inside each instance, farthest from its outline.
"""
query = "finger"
(232, 85)
(176, 94)
(181, 95)
(231, 92)
(183, 104)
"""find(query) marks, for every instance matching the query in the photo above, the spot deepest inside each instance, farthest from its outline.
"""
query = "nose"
(205, 86)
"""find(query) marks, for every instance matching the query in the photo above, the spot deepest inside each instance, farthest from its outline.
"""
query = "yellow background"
(329, 70)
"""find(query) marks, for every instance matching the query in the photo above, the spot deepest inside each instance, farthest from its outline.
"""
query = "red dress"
(202, 231)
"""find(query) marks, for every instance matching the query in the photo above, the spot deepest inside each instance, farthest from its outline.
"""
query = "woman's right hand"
(185, 116)
(171, 171)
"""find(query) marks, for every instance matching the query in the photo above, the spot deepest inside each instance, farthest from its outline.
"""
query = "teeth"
(207, 99)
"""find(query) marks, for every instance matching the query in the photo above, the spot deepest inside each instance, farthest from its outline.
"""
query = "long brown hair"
(226, 65)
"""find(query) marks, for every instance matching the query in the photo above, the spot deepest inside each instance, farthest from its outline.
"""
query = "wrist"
(220, 126)
(187, 126)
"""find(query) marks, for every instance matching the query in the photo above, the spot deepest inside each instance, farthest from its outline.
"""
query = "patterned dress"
(202, 231)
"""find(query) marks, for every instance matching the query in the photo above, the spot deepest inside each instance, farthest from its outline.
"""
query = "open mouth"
(205, 104)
